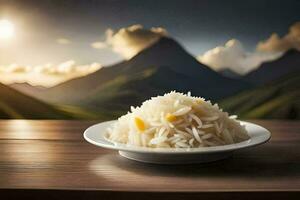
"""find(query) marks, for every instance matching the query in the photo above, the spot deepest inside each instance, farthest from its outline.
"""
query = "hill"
(229, 73)
(269, 71)
(16, 105)
(279, 99)
(26, 88)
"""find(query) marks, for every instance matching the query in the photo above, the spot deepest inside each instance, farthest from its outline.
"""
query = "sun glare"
(6, 29)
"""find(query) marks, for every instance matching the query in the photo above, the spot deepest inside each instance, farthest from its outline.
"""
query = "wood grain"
(41, 157)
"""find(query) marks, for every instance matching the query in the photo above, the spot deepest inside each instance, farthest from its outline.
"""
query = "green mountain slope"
(279, 99)
(272, 70)
(117, 95)
(15, 105)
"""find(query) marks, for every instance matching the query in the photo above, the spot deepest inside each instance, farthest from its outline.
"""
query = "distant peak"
(165, 43)
(22, 83)
(166, 39)
(291, 51)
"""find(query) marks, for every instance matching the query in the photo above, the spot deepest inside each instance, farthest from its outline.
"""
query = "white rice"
(176, 120)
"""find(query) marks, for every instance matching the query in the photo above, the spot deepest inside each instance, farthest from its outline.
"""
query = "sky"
(72, 34)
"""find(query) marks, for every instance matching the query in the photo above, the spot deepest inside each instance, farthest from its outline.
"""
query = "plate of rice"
(176, 128)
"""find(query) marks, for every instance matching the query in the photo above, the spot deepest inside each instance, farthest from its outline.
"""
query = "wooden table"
(51, 160)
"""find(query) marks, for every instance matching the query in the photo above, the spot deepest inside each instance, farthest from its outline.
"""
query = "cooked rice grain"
(176, 120)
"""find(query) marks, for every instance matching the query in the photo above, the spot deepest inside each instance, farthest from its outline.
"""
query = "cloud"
(106, 43)
(131, 40)
(14, 68)
(233, 56)
(67, 68)
(276, 44)
(63, 41)
(99, 45)
(46, 75)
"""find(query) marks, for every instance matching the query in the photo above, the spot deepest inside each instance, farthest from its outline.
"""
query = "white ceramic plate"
(96, 135)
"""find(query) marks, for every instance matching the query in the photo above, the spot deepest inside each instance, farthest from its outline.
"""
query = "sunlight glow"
(7, 29)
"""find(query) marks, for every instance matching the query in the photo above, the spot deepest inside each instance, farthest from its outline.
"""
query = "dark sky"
(198, 25)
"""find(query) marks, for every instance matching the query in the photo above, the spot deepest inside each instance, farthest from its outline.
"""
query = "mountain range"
(277, 91)
(28, 89)
(160, 68)
(16, 105)
(278, 99)
(269, 71)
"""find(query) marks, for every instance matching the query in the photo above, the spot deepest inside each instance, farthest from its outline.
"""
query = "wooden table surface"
(51, 159)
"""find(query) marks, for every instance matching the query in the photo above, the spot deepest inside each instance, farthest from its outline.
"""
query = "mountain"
(26, 88)
(229, 73)
(279, 99)
(160, 68)
(14, 104)
(289, 62)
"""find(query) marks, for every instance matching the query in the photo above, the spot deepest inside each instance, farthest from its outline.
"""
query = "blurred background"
(94, 59)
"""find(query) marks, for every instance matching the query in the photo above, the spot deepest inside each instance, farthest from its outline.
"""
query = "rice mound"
(176, 120)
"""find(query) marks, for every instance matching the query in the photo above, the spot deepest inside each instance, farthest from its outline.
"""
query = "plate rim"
(203, 150)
